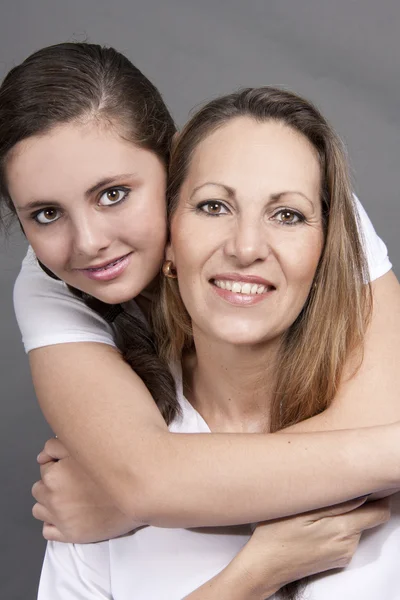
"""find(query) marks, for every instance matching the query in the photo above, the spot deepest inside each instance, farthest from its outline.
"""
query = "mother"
(72, 119)
(263, 253)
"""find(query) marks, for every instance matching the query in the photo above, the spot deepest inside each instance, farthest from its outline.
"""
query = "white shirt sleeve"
(374, 247)
(48, 313)
(75, 572)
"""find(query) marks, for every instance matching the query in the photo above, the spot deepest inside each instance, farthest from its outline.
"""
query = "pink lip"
(107, 273)
(243, 278)
(241, 299)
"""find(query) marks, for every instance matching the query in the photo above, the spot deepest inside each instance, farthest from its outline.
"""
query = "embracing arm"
(109, 422)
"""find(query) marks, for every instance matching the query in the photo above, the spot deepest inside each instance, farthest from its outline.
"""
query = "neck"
(231, 386)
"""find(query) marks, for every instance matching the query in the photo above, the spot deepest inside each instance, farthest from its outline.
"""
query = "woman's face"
(247, 234)
(92, 206)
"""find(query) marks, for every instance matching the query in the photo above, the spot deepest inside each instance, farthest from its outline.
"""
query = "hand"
(71, 505)
(289, 549)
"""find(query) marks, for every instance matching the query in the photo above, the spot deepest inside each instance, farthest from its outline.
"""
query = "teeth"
(239, 287)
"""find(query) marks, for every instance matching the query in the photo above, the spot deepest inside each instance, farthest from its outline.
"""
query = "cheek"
(300, 261)
(51, 250)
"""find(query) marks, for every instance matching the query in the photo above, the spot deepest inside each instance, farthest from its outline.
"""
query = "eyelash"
(301, 218)
(125, 190)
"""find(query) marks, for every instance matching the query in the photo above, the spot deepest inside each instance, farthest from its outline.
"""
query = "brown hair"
(332, 323)
(77, 82)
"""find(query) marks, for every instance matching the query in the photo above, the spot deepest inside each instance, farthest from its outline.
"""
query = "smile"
(242, 293)
(240, 287)
(108, 271)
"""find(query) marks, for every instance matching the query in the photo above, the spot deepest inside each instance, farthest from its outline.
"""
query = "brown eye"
(50, 214)
(212, 207)
(113, 196)
(47, 216)
(285, 216)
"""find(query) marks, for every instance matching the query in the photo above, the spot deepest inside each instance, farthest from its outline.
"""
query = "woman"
(89, 130)
(260, 219)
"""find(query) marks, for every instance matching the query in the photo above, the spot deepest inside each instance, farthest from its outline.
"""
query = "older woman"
(83, 161)
(264, 300)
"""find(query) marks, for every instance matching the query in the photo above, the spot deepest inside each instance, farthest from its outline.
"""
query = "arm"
(311, 543)
(286, 550)
(141, 470)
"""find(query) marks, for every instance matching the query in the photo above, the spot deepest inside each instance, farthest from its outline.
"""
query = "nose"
(90, 235)
(248, 241)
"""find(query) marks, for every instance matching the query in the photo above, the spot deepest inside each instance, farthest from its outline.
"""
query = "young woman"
(261, 220)
(92, 136)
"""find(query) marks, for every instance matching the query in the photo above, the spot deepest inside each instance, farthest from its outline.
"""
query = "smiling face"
(92, 206)
(247, 234)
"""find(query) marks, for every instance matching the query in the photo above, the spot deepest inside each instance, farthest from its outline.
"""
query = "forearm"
(233, 583)
(109, 422)
(180, 480)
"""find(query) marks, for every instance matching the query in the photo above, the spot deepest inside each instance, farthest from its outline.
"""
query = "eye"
(47, 216)
(287, 216)
(213, 208)
(113, 196)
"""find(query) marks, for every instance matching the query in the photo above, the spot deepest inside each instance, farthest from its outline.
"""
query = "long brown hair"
(333, 321)
(75, 82)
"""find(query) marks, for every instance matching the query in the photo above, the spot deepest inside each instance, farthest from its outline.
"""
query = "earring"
(169, 270)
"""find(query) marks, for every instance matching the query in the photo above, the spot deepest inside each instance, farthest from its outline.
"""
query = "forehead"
(254, 153)
(71, 156)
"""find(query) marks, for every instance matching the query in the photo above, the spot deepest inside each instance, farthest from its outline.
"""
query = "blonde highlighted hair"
(332, 324)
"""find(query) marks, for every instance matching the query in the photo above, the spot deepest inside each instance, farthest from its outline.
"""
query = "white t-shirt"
(159, 563)
(48, 313)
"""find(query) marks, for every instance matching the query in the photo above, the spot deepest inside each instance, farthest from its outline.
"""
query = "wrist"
(248, 581)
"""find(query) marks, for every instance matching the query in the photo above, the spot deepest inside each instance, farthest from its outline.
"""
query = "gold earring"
(169, 270)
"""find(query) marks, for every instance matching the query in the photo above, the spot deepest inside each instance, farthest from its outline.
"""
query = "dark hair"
(78, 81)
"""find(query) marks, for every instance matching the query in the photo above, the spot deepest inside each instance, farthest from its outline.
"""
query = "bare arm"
(107, 419)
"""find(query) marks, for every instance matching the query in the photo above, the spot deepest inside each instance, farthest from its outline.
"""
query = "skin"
(253, 176)
(139, 472)
(75, 228)
(203, 245)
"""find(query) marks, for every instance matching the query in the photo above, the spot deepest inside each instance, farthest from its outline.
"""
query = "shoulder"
(48, 313)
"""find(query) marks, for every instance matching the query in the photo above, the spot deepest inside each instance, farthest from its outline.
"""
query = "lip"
(105, 272)
(245, 278)
(104, 264)
(242, 299)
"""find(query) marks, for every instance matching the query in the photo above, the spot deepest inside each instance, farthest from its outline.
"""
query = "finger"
(39, 491)
(337, 509)
(47, 467)
(41, 513)
(371, 514)
(44, 458)
(52, 534)
(55, 449)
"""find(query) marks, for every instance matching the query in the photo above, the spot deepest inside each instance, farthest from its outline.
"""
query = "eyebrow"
(232, 192)
(229, 190)
(102, 183)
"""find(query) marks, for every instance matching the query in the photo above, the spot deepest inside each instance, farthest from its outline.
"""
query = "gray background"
(344, 55)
